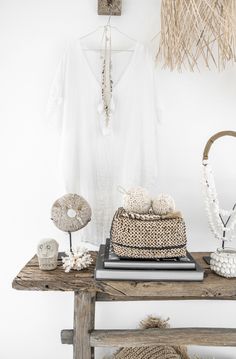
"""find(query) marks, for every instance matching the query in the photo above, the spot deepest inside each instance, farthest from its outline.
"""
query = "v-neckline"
(123, 73)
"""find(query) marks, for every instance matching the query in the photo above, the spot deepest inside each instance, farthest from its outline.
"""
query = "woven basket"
(154, 352)
(148, 236)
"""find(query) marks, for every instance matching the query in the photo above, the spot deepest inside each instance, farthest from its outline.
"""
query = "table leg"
(84, 313)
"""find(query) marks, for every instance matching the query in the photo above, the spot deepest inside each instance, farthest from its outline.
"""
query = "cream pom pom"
(163, 204)
(137, 200)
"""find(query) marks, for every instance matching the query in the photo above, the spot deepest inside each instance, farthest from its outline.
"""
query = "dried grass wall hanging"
(197, 31)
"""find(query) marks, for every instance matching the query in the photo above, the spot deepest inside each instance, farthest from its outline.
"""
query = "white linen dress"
(94, 164)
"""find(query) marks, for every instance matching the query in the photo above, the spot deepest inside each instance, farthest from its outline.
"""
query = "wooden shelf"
(212, 287)
(87, 291)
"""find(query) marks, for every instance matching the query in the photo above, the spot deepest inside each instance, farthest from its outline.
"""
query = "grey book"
(111, 260)
(102, 273)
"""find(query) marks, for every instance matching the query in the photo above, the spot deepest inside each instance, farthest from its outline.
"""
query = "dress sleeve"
(55, 105)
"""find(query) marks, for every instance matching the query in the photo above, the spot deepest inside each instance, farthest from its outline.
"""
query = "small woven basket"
(148, 236)
(156, 351)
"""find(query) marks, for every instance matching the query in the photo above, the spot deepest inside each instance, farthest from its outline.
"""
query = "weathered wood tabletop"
(212, 287)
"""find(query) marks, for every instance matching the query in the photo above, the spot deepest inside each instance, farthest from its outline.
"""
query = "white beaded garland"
(137, 200)
(214, 212)
(163, 204)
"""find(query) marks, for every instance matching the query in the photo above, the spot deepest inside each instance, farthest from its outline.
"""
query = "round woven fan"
(71, 213)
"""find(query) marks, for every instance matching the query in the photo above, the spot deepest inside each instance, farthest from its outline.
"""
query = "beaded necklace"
(107, 82)
(222, 222)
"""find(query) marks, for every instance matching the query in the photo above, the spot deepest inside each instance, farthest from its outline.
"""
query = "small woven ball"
(163, 204)
(137, 200)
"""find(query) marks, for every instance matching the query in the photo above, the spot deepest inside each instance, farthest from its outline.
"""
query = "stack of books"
(110, 267)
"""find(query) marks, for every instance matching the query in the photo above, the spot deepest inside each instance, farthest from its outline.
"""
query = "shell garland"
(221, 227)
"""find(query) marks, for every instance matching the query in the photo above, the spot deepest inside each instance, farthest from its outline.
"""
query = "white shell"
(163, 204)
(47, 252)
(222, 262)
(137, 200)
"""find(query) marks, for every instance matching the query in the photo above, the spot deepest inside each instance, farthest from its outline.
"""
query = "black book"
(102, 273)
(111, 260)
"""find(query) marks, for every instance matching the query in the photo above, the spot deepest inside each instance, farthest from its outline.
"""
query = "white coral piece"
(137, 200)
(163, 204)
(78, 259)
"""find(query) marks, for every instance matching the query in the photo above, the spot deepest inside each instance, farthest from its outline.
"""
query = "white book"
(102, 273)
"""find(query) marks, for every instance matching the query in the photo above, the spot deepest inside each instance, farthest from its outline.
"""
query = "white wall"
(33, 35)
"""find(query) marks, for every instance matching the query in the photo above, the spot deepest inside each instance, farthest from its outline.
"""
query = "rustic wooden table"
(87, 291)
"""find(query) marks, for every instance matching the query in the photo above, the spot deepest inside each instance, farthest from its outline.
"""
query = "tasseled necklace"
(107, 83)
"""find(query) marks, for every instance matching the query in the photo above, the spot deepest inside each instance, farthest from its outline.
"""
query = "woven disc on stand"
(71, 213)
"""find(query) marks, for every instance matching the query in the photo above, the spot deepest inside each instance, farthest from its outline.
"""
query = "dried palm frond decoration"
(197, 30)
